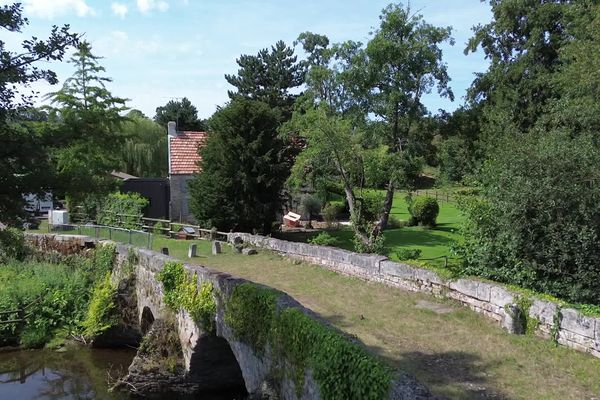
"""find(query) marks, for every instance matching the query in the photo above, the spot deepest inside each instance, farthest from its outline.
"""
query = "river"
(77, 373)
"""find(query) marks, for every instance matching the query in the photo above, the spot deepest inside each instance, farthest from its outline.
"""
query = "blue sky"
(157, 50)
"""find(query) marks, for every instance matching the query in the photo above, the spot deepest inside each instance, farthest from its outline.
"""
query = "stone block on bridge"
(192, 250)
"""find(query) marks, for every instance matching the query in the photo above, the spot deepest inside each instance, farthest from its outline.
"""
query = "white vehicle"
(37, 204)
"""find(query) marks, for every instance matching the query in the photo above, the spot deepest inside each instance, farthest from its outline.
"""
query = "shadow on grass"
(416, 237)
(456, 374)
(450, 228)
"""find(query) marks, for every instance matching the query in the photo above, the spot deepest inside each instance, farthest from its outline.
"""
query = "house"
(183, 164)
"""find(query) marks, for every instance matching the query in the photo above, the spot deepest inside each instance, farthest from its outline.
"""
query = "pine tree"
(88, 121)
(268, 77)
(242, 172)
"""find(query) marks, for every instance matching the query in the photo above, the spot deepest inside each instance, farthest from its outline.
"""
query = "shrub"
(57, 296)
(12, 245)
(376, 245)
(330, 213)
(323, 239)
(157, 229)
(408, 254)
(425, 210)
(101, 314)
(536, 222)
(122, 210)
(310, 206)
(395, 223)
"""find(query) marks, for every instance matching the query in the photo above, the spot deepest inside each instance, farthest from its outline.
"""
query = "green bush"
(122, 210)
(323, 239)
(12, 245)
(535, 224)
(395, 223)
(330, 213)
(408, 254)
(424, 210)
(57, 294)
(311, 206)
(376, 245)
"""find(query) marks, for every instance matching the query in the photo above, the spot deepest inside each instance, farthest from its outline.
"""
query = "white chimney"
(172, 129)
(171, 133)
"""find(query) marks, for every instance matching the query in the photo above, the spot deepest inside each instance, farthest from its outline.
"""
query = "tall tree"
(88, 119)
(523, 43)
(183, 112)
(387, 78)
(268, 77)
(405, 63)
(23, 157)
(144, 152)
(241, 169)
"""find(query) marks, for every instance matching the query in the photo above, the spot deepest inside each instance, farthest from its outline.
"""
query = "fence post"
(130, 236)
(149, 247)
(109, 233)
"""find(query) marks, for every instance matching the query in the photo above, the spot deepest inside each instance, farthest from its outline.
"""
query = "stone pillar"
(216, 248)
(192, 250)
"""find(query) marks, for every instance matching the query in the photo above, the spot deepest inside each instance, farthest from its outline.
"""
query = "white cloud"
(146, 6)
(50, 9)
(148, 46)
(114, 43)
(119, 9)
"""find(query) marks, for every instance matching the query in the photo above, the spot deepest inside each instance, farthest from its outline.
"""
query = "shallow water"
(77, 373)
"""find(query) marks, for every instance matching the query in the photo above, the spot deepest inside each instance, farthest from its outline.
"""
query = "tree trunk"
(387, 207)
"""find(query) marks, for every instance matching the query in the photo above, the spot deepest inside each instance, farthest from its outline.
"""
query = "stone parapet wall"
(567, 326)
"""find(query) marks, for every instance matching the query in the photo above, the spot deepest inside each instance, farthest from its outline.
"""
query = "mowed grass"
(458, 353)
(433, 243)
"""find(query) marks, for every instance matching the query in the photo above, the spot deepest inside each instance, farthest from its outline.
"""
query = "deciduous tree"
(23, 155)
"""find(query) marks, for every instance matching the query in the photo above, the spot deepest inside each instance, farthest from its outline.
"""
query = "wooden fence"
(157, 226)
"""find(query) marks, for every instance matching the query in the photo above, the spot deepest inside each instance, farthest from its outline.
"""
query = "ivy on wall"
(182, 293)
(342, 369)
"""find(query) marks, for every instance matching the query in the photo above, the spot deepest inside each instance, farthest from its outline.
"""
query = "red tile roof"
(184, 151)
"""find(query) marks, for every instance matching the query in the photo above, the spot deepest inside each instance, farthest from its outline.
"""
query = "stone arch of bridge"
(214, 366)
(146, 320)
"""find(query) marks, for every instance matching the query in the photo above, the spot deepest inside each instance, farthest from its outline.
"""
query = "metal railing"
(129, 236)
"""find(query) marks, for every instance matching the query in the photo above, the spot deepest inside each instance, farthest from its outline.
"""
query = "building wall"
(179, 209)
(156, 190)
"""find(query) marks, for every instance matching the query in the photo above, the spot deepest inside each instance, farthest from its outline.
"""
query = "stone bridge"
(218, 360)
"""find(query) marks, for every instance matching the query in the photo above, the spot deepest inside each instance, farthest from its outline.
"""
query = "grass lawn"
(454, 351)
(433, 243)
